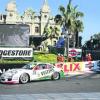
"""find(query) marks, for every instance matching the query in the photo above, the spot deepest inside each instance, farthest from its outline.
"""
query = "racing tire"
(55, 76)
(24, 78)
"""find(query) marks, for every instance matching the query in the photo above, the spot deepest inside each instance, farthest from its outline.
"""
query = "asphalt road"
(78, 84)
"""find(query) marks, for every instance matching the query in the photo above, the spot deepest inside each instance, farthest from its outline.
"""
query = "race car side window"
(39, 67)
(49, 66)
(43, 66)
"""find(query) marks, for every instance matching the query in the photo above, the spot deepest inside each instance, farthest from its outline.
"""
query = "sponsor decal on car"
(46, 72)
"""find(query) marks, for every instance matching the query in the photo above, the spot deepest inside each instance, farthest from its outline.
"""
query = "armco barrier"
(79, 67)
(66, 67)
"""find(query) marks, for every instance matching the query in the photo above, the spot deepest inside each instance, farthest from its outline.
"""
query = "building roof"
(11, 6)
(45, 7)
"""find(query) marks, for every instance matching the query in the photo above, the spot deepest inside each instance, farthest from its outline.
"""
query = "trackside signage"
(75, 52)
(71, 67)
(16, 52)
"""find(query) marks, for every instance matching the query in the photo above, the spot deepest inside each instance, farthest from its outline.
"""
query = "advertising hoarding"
(73, 52)
(16, 52)
(14, 35)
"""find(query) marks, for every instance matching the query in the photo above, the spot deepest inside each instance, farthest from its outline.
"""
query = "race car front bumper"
(8, 80)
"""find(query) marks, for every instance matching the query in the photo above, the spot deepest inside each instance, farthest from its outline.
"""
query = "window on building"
(0, 17)
(54, 43)
(10, 14)
(37, 29)
(45, 16)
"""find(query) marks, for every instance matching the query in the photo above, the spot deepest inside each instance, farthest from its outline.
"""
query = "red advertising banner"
(71, 67)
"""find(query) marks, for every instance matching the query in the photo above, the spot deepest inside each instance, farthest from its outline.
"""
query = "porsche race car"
(31, 72)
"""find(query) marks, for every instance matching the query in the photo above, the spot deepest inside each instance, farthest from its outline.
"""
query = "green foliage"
(13, 61)
(39, 57)
(93, 42)
(42, 57)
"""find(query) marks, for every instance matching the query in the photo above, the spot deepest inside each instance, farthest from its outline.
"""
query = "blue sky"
(90, 8)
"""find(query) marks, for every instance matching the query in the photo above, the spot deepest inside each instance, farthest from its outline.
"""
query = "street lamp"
(91, 40)
(67, 36)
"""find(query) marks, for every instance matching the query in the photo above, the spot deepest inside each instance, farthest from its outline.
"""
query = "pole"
(65, 48)
(67, 45)
(66, 51)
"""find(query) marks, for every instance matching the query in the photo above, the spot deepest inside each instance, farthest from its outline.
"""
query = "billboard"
(14, 35)
(16, 52)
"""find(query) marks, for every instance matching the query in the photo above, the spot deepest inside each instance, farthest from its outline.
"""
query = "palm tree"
(78, 25)
(67, 18)
(70, 21)
(67, 22)
(51, 32)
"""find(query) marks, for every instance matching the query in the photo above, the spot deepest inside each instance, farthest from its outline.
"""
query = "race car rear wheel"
(24, 78)
(55, 76)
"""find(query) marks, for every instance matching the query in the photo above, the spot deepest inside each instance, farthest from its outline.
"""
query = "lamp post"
(91, 40)
(66, 52)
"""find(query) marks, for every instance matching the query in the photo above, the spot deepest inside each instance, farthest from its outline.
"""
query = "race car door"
(42, 72)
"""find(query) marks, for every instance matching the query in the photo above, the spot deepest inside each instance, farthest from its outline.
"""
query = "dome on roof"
(11, 6)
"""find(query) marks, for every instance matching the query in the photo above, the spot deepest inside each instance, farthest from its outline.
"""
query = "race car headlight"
(9, 74)
(13, 72)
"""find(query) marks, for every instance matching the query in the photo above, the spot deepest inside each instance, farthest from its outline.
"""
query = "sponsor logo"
(16, 52)
(70, 67)
(75, 52)
(43, 73)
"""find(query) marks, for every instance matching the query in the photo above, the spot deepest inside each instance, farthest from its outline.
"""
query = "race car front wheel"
(24, 78)
(55, 76)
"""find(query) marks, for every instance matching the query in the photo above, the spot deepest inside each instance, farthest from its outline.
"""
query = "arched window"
(0, 17)
(10, 14)
(37, 29)
(45, 16)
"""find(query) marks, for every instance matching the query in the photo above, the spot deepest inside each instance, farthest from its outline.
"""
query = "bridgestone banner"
(16, 52)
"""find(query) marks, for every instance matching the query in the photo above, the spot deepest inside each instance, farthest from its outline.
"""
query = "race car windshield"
(28, 66)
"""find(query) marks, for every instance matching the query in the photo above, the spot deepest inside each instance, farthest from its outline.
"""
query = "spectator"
(70, 59)
(89, 58)
(60, 58)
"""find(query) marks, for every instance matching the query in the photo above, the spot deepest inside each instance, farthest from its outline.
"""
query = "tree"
(93, 42)
(51, 32)
(70, 21)
(67, 22)
(78, 24)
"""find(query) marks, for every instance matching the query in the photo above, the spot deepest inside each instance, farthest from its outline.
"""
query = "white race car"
(31, 72)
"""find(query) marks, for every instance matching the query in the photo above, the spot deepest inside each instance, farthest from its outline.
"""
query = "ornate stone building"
(36, 22)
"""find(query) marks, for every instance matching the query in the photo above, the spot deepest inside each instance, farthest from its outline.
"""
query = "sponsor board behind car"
(30, 72)
(96, 67)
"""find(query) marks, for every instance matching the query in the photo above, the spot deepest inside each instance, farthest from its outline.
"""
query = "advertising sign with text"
(71, 67)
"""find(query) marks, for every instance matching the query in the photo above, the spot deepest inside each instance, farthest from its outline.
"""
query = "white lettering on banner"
(75, 52)
(16, 52)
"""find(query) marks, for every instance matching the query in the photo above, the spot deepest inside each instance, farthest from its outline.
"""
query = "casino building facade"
(36, 22)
